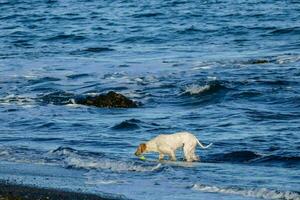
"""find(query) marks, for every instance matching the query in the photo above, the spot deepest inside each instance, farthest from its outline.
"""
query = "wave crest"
(196, 89)
(116, 166)
(263, 193)
(79, 159)
(16, 99)
(208, 88)
(130, 124)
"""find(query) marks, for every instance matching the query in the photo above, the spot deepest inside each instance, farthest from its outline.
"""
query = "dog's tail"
(202, 146)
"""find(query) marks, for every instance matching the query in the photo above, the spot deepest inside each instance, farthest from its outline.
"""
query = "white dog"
(167, 145)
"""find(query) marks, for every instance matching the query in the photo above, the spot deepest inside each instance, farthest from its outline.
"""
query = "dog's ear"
(143, 147)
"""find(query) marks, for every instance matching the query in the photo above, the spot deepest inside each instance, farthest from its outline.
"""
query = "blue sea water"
(227, 71)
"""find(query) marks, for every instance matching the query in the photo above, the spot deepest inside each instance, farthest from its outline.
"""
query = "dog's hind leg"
(194, 156)
(189, 152)
(187, 155)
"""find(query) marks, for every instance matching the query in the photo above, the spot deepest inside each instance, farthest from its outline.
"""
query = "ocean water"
(227, 71)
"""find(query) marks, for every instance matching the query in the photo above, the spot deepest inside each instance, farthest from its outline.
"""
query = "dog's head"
(140, 150)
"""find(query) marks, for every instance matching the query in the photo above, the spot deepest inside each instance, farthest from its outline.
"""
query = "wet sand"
(9, 191)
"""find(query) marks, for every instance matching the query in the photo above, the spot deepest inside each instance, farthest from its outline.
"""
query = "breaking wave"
(196, 89)
(262, 193)
(16, 99)
(208, 88)
(109, 164)
(78, 159)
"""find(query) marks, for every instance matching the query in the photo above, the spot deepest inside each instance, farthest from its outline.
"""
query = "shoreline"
(12, 191)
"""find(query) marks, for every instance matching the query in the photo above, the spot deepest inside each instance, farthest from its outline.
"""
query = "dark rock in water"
(98, 49)
(77, 76)
(109, 100)
(259, 61)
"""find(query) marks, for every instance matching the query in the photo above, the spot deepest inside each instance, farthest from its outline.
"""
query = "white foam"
(196, 89)
(4, 153)
(213, 78)
(16, 99)
(148, 79)
(73, 104)
(73, 159)
(202, 67)
(103, 182)
(117, 166)
(10, 96)
(4, 104)
(28, 106)
(31, 77)
(93, 94)
(139, 80)
(64, 152)
(133, 95)
(262, 193)
(116, 76)
(287, 59)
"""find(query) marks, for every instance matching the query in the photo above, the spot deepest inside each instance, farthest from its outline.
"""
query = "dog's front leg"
(163, 149)
(172, 156)
(161, 156)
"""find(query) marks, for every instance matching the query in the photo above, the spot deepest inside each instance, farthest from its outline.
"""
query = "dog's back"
(175, 140)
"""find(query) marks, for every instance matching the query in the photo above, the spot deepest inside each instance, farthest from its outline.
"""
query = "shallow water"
(227, 71)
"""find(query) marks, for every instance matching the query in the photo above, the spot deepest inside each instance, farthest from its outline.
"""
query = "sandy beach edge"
(12, 191)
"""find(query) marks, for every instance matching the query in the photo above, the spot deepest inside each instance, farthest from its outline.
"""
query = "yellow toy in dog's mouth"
(142, 157)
